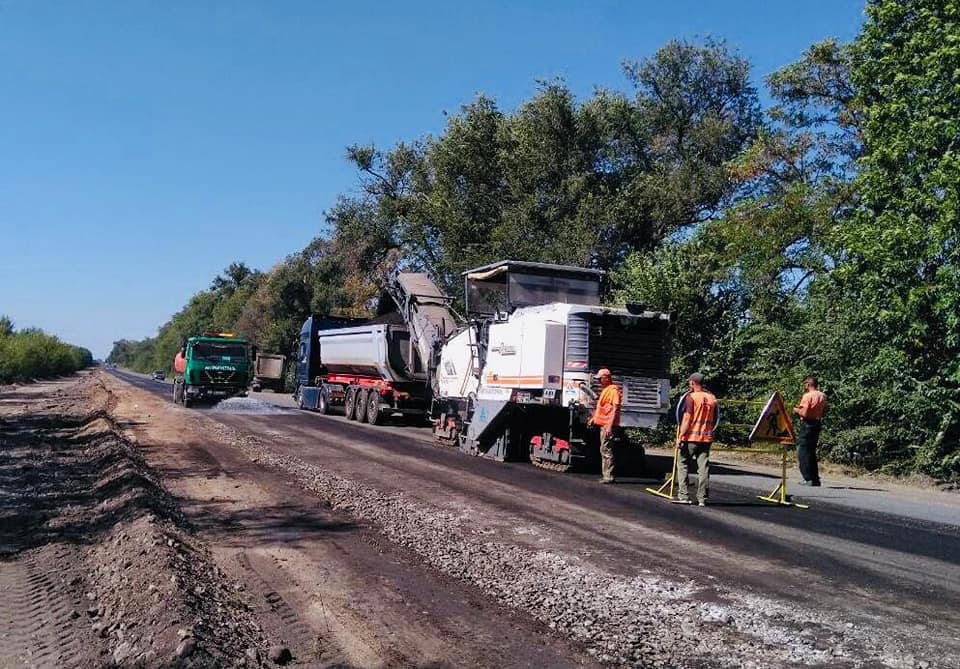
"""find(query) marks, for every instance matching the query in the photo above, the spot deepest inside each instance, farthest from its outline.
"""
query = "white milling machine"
(517, 381)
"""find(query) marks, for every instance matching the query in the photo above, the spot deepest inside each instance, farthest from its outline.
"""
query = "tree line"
(31, 354)
(818, 235)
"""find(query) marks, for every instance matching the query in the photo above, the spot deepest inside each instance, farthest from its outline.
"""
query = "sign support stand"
(779, 494)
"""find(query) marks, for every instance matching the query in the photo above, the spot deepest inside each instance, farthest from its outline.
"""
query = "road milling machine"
(514, 379)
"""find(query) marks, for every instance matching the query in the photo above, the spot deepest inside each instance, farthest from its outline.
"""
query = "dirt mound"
(96, 561)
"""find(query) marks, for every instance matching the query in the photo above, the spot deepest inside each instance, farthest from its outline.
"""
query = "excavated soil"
(97, 564)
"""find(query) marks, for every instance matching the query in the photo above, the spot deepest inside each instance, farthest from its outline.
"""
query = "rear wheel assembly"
(323, 404)
(350, 404)
(374, 415)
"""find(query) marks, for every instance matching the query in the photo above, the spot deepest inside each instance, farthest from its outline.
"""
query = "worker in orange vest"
(606, 416)
(695, 437)
(812, 406)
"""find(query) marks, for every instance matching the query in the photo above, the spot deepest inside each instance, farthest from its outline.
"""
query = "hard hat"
(603, 372)
(696, 377)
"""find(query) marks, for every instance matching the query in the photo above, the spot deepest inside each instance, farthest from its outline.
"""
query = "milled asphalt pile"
(648, 620)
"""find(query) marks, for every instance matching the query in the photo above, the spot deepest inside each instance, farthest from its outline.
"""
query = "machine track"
(551, 466)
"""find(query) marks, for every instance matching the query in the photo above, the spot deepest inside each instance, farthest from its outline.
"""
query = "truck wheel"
(360, 411)
(374, 415)
(323, 404)
(350, 404)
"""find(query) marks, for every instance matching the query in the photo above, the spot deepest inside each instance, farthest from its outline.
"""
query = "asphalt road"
(901, 571)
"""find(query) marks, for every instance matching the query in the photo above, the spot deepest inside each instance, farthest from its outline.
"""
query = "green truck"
(212, 366)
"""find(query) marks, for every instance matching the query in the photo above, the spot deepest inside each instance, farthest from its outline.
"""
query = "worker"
(606, 416)
(180, 362)
(695, 437)
(812, 406)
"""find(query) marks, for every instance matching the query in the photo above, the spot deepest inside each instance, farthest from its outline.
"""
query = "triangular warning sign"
(774, 423)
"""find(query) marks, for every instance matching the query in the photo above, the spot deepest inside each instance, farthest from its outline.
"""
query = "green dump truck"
(213, 366)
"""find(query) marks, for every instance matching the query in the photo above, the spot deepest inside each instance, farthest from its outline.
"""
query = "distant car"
(159, 375)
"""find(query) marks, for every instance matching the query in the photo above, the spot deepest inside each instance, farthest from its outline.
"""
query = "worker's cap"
(696, 377)
(602, 373)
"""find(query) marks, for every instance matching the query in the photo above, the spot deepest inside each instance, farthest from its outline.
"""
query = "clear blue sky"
(146, 145)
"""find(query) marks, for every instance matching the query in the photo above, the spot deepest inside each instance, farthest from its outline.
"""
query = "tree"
(902, 270)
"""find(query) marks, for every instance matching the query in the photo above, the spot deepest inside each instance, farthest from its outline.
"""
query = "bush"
(33, 354)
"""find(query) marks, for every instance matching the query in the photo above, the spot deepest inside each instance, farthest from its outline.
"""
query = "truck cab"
(214, 365)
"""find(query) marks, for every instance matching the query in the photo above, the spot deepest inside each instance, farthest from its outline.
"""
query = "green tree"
(902, 270)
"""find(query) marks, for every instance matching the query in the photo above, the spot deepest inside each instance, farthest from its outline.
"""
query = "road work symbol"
(774, 423)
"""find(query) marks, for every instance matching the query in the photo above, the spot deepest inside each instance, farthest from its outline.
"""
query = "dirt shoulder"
(97, 564)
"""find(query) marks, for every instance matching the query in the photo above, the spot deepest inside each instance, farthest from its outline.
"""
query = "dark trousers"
(807, 442)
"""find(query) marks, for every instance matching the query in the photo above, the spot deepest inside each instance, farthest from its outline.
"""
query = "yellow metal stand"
(779, 494)
(671, 480)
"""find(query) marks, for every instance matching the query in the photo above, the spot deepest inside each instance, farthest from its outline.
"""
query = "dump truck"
(375, 369)
(211, 366)
(268, 372)
(513, 379)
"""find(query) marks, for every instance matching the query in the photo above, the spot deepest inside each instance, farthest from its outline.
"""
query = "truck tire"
(374, 415)
(323, 404)
(360, 405)
(350, 403)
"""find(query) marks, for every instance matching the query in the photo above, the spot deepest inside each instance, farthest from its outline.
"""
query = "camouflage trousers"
(606, 455)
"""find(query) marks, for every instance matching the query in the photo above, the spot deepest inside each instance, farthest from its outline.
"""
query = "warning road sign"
(774, 423)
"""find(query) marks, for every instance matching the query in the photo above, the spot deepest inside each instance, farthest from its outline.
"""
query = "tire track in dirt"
(290, 628)
(38, 617)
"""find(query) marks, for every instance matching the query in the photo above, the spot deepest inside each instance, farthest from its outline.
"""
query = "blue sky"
(145, 145)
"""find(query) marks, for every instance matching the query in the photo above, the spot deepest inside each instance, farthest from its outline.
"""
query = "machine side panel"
(455, 371)
(503, 368)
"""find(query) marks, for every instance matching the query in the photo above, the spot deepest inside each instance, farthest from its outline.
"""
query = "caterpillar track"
(550, 466)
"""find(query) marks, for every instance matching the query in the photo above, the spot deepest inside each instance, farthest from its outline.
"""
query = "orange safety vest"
(701, 406)
(605, 415)
(179, 363)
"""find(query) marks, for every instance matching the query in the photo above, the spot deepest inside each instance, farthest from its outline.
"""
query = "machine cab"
(496, 290)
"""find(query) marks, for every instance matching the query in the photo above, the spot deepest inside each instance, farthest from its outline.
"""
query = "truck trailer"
(268, 372)
(513, 379)
(375, 368)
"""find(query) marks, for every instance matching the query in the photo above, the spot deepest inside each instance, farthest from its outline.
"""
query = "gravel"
(648, 620)
(246, 405)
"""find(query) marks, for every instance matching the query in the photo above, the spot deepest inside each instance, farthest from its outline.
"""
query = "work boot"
(682, 500)
(702, 502)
